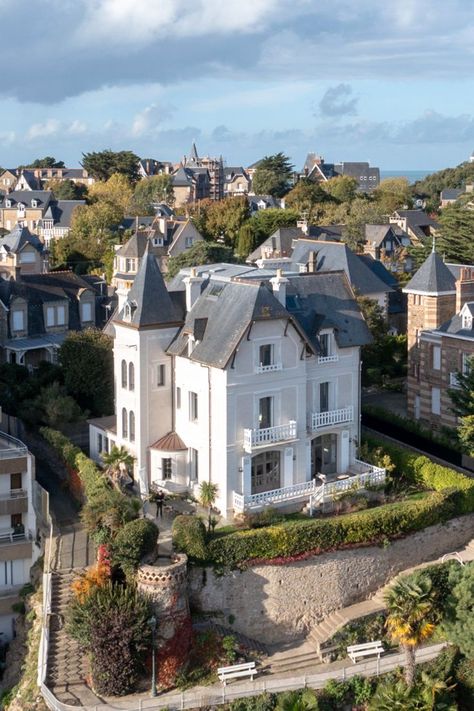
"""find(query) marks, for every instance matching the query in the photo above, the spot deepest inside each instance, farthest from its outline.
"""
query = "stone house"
(39, 211)
(236, 181)
(237, 377)
(21, 252)
(440, 337)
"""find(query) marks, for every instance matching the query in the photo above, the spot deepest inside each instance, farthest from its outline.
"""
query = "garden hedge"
(294, 538)
(189, 536)
(132, 542)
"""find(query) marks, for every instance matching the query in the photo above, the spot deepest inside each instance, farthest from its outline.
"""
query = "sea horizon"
(411, 175)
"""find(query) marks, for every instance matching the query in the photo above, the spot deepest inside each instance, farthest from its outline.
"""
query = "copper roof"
(171, 442)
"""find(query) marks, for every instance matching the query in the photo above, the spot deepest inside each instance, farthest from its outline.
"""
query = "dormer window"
(34, 203)
(158, 241)
(20, 207)
(467, 321)
(8, 203)
(327, 349)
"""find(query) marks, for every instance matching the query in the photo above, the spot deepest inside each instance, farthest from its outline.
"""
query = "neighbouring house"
(27, 180)
(38, 310)
(8, 180)
(388, 244)
(262, 202)
(39, 211)
(239, 378)
(416, 223)
(296, 252)
(236, 181)
(440, 337)
(21, 252)
(164, 238)
(190, 185)
(76, 175)
(367, 177)
(213, 167)
(20, 544)
(147, 167)
(449, 196)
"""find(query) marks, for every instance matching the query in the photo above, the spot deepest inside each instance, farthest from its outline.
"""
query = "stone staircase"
(320, 636)
(66, 664)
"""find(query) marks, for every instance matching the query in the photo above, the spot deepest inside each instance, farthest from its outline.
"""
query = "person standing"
(159, 498)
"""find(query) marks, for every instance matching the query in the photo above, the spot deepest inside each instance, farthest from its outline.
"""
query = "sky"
(388, 81)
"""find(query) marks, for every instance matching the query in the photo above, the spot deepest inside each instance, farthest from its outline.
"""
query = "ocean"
(411, 175)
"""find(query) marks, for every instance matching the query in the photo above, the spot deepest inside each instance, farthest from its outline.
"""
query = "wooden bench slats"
(236, 671)
(355, 651)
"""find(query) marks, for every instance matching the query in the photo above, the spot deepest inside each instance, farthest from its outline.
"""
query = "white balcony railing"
(269, 368)
(313, 490)
(328, 359)
(11, 447)
(331, 417)
(453, 380)
(269, 435)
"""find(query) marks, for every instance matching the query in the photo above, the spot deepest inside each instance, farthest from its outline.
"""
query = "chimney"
(279, 283)
(312, 263)
(464, 288)
(193, 288)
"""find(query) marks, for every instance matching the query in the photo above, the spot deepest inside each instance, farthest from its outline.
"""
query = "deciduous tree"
(158, 188)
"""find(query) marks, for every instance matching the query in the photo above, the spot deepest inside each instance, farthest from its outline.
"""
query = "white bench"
(236, 671)
(369, 649)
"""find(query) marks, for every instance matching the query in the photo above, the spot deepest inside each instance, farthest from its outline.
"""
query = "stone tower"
(431, 302)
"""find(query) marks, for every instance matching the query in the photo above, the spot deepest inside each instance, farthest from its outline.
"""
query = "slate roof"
(223, 313)
(269, 201)
(417, 218)
(18, 238)
(282, 239)
(60, 211)
(451, 193)
(130, 223)
(30, 179)
(43, 197)
(136, 246)
(326, 300)
(336, 256)
(182, 178)
(433, 277)
(454, 327)
(149, 299)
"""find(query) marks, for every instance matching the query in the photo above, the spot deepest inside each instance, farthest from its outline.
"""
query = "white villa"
(239, 376)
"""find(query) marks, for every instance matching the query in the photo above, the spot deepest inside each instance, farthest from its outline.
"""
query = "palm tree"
(207, 497)
(115, 462)
(305, 700)
(411, 608)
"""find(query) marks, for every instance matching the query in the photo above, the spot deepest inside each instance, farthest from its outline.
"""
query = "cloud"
(338, 101)
(50, 127)
(77, 127)
(147, 121)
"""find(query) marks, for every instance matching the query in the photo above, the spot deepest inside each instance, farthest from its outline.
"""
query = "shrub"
(189, 536)
(296, 538)
(262, 702)
(106, 511)
(111, 625)
(132, 542)
(268, 517)
(465, 684)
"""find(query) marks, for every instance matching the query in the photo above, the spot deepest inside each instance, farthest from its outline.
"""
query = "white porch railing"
(331, 417)
(312, 490)
(276, 496)
(269, 368)
(328, 359)
(14, 494)
(453, 380)
(269, 435)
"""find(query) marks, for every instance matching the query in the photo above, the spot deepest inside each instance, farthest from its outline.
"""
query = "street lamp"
(152, 623)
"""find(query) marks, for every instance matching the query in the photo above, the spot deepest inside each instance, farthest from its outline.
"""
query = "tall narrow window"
(266, 354)
(325, 343)
(61, 313)
(87, 312)
(193, 407)
(131, 376)
(166, 468)
(436, 355)
(178, 398)
(194, 462)
(323, 397)
(265, 412)
(124, 374)
(132, 426)
(15, 481)
(50, 316)
(124, 424)
(18, 321)
(435, 401)
(161, 375)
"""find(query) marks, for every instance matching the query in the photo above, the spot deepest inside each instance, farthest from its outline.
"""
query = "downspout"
(359, 399)
(209, 390)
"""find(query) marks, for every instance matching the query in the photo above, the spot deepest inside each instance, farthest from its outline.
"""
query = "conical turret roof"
(433, 277)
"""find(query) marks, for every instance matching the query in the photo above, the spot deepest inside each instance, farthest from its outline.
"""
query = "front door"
(266, 471)
(324, 455)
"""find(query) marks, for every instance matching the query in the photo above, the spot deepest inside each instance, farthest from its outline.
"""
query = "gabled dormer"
(467, 313)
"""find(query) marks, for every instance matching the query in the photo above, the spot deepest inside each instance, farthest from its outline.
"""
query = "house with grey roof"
(416, 223)
(449, 196)
(367, 177)
(39, 211)
(389, 243)
(236, 181)
(38, 310)
(440, 337)
(56, 220)
(21, 252)
(243, 377)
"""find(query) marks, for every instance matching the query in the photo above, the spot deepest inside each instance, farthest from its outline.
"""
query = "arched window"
(124, 424)
(124, 374)
(132, 426)
(131, 376)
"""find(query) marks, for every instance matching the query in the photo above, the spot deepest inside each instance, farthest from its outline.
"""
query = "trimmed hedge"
(295, 538)
(132, 542)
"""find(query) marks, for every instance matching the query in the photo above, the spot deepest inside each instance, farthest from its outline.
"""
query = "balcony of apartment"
(12, 449)
(319, 420)
(269, 368)
(15, 544)
(315, 491)
(328, 358)
(265, 436)
(13, 502)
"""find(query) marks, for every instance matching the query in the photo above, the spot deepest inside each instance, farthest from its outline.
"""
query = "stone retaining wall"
(278, 603)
